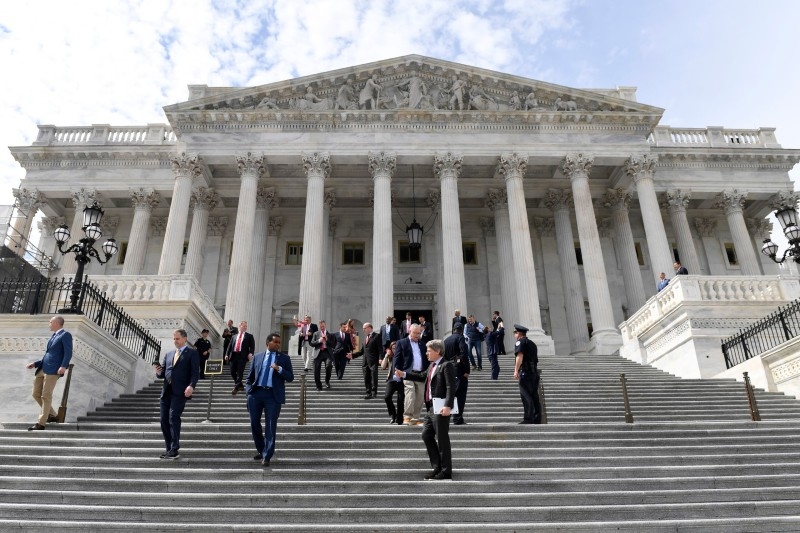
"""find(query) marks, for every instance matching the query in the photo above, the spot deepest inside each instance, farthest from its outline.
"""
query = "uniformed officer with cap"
(525, 372)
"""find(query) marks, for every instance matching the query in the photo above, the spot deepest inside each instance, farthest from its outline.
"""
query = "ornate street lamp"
(414, 231)
(787, 216)
(84, 249)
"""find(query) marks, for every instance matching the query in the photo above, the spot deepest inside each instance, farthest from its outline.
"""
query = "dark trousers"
(436, 436)
(529, 392)
(339, 363)
(495, 365)
(172, 406)
(371, 377)
(323, 356)
(238, 362)
(262, 401)
(461, 398)
(396, 413)
(501, 345)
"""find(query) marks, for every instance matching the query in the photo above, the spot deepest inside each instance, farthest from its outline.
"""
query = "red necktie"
(239, 343)
(368, 338)
(428, 383)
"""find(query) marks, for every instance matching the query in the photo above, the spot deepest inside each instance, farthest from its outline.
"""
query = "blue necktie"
(265, 379)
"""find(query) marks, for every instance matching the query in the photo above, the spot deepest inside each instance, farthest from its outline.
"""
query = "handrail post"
(751, 399)
(542, 401)
(628, 413)
(62, 409)
(301, 409)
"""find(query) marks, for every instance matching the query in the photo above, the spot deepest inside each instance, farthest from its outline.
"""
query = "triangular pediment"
(409, 83)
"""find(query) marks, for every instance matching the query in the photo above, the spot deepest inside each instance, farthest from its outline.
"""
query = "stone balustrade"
(713, 137)
(103, 134)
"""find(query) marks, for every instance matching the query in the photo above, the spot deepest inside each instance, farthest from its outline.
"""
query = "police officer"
(526, 372)
(455, 350)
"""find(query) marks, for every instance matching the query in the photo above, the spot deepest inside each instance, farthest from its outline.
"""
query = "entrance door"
(400, 315)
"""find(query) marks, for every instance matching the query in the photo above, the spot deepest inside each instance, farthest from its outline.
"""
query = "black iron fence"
(52, 296)
(781, 326)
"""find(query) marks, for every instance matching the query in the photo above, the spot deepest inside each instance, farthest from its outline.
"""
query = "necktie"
(265, 379)
(177, 356)
(324, 338)
(239, 343)
(428, 383)
(367, 341)
(270, 369)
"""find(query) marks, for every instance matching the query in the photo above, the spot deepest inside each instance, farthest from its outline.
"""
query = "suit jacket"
(389, 333)
(456, 350)
(371, 349)
(427, 332)
(248, 344)
(279, 379)
(404, 356)
(459, 320)
(342, 347)
(405, 328)
(682, 270)
(443, 381)
(186, 372)
(58, 353)
(330, 341)
(312, 328)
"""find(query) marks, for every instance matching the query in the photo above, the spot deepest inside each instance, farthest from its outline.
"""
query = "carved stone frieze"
(545, 226)
(447, 165)
(317, 164)
(730, 200)
(706, 227)
(557, 199)
(217, 226)
(616, 200)
(145, 199)
(576, 166)
(382, 164)
(204, 198)
(640, 167)
(497, 198)
(28, 201)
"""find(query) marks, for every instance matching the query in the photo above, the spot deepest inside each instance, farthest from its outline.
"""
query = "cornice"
(133, 156)
(753, 159)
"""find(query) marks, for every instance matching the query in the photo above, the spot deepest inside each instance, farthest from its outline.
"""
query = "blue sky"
(730, 63)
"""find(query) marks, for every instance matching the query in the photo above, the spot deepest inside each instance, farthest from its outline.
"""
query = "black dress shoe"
(327, 385)
(442, 475)
(459, 423)
(36, 427)
(257, 457)
(392, 421)
(368, 397)
(264, 463)
(53, 419)
(525, 422)
(432, 474)
(235, 391)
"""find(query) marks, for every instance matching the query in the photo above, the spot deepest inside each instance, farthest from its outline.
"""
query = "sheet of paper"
(438, 403)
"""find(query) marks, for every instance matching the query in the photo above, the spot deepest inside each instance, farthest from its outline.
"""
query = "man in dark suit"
(409, 356)
(458, 319)
(228, 333)
(389, 332)
(344, 345)
(680, 270)
(427, 330)
(305, 332)
(242, 347)
(203, 347)
(180, 373)
(439, 382)
(371, 350)
(456, 350)
(405, 326)
(324, 342)
(48, 369)
(500, 328)
(266, 392)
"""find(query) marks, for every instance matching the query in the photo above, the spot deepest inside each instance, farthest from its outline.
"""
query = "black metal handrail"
(781, 326)
(52, 296)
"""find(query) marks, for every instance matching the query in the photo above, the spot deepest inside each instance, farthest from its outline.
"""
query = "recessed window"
(352, 253)
(578, 253)
(406, 254)
(294, 253)
(470, 252)
(123, 251)
(730, 253)
(639, 254)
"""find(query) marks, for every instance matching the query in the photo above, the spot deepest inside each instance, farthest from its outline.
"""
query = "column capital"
(84, 197)
(433, 198)
(447, 165)
(382, 164)
(760, 227)
(317, 164)
(145, 199)
(497, 198)
(783, 199)
(217, 226)
(676, 200)
(275, 224)
(204, 198)
(512, 165)
(50, 224)
(616, 200)
(187, 165)
(28, 199)
(706, 227)
(109, 225)
(252, 164)
(576, 166)
(266, 199)
(546, 227)
(730, 200)
(558, 199)
(641, 166)
(159, 226)
(487, 225)
(330, 198)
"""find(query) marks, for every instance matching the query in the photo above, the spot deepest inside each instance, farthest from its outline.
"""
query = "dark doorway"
(400, 315)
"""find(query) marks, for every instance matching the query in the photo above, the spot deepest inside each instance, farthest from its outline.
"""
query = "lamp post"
(787, 216)
(414, 231)
(84, 249)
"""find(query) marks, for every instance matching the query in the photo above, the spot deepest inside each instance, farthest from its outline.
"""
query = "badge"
(518, 343)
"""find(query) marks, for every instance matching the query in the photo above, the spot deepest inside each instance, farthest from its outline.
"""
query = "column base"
(604, 343)
(544, 342)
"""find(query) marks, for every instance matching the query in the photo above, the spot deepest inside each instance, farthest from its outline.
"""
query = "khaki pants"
(414, 398)
(43, 386)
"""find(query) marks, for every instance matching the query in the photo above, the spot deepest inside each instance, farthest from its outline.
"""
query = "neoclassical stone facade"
(557, 206)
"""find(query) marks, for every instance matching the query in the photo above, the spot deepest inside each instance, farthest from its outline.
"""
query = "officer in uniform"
(455, 350)
(526, 372)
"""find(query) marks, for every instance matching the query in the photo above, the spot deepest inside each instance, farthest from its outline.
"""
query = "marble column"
(559, 201)
(707, 229)
(26, 205)
(269, 322)
(731, 201)
(265, 200)
(80, 199)
(447, 167)
(318, 167)
(676, 202)
(382, 166)
(186, 168)
(214, 256)
(493, 276)
(761, 229)
(641, 169)
(497, 201)
(512, 167)
(329, 223)
(251, 168)
(605, 336)
(47, 242)
(144, 201)
(618, 201)
(203, 201)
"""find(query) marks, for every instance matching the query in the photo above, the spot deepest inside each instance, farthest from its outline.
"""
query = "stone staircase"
(692, 461)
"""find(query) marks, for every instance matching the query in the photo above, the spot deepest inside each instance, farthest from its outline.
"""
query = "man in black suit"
(241, 350)
(371, 350)
(180, 373)
(305, 332)
(440, 383)
(203, 347)
(456, 350)
(409, 356)
(389, 332)
(344, 345)
(427, 330)
(228, 333)
(680, 270)
(324, 342)
(458, 319)
(500, 328)
(405, 327)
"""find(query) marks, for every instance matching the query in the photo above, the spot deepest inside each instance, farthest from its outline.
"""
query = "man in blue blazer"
(266, 393)
(48, 369)
(180, 373)
(409, 356)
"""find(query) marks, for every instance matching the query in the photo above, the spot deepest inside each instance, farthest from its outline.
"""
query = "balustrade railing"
(51, 296)
(104, 135)
(769, 332)
(713, 137)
